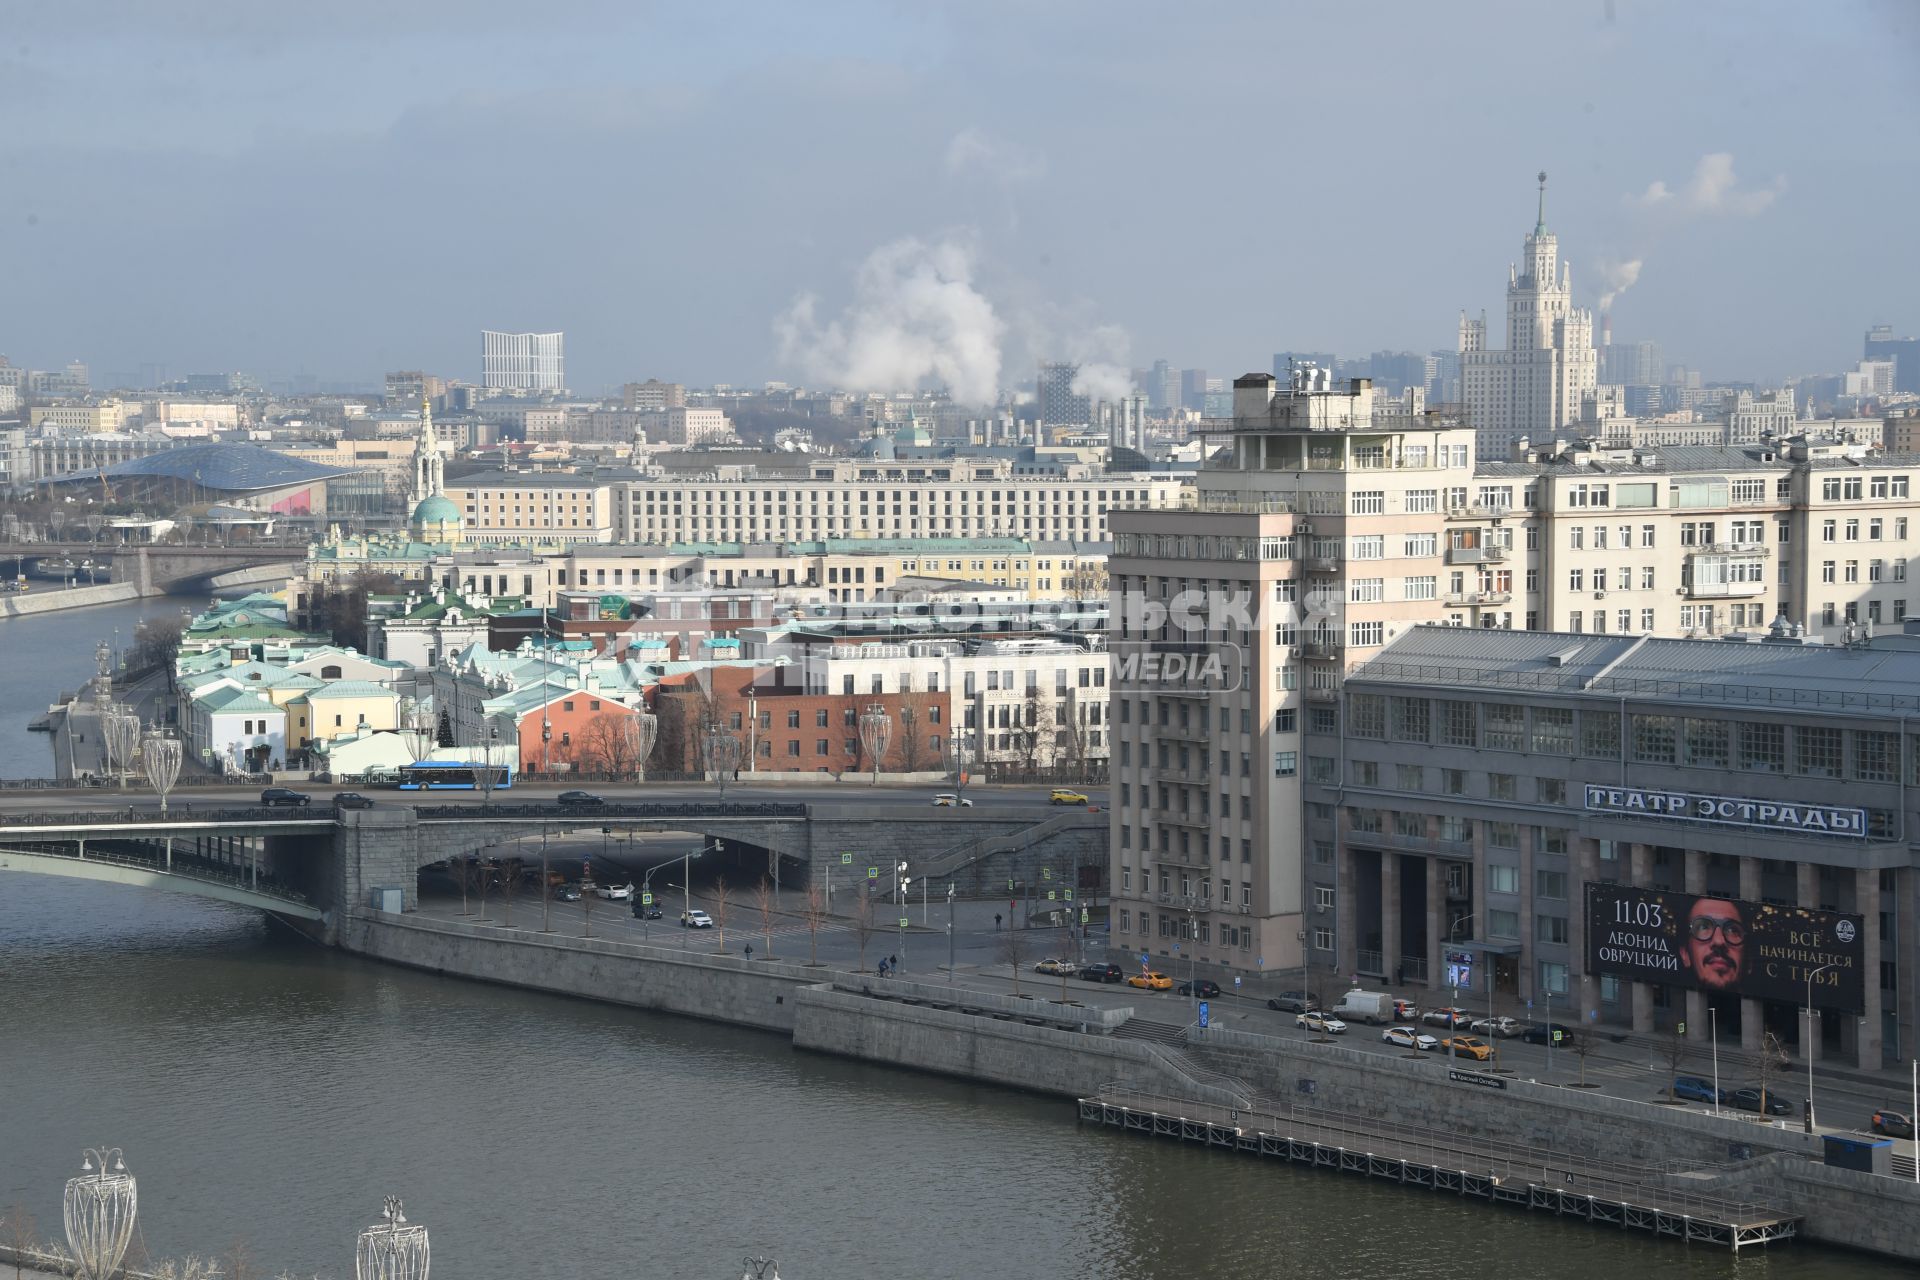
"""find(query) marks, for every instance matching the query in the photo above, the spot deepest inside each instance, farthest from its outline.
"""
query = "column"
(1529, 961)
(1752, 1028)
(1582, 874)
(1903, 924)
(1345, 944)
(1642, 861)
(1806, 892)
(1390, 915)
(1866, 898)
(1696, 882)
(1436, 951)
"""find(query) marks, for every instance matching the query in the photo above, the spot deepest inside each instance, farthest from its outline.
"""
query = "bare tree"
(17, 1229)
(461, 866)
(509, 885)
(763, 900)
(720, 905)
(1070, 742)
(483, 873)
(1031, 729)
(240, 1260)
(1581, 1042)
(1013, 950)
(913, 735)
(1675, 1050)
(863, 923)
(815, 911)
(1772, 1058)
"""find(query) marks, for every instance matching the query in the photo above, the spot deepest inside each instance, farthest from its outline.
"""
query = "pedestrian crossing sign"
(646, 899)
(846, 859)
(873, 873)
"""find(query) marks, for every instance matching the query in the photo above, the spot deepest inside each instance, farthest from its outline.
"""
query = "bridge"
(160, 569)
(306, 865)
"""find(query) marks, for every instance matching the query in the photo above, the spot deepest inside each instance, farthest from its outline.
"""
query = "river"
(268, 1093)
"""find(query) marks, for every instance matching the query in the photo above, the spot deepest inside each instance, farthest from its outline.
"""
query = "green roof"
(350, 689)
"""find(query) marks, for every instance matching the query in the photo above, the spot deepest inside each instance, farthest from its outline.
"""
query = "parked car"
(578, 800)
(565, 893)
(1323, 1023)
(284, 798)
(1058, 968)
(1695, 1089)
(1500, 1026)
(1102, 973)
(352, 800)
(616, 892)
(949, 800)
(1410, 1038)
(1067, 797)
(1467, 1047)
(1547, 1033)
(644, 912)
(1893, 1124)
(1208, 988)
(695, 919)
(1447, 1016)
(1771, 1104)
(1294, 1002)
(1151, 981)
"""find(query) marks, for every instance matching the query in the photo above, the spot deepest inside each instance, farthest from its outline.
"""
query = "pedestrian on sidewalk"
(996, 922)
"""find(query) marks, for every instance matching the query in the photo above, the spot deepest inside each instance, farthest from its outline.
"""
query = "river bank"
(32, 603)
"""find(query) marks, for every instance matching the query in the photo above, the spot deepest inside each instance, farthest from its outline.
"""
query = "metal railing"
(550, 809)
(1574, 680)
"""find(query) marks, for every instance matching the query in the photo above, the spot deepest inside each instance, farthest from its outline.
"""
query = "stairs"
(1163, 1033)
(1168, 1043)
(946, 864)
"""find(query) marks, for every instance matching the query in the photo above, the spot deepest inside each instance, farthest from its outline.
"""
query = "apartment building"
(1326, 528)
(535, 506)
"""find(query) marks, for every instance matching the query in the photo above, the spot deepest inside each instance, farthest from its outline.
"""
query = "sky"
(878, 194)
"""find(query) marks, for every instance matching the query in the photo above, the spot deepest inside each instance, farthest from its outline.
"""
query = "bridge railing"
(640, 810)
(177, 811)
(187, 866)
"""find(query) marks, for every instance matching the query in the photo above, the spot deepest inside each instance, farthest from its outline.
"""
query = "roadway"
(987, 799)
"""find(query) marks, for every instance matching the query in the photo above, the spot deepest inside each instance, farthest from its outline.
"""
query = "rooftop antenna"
(1540, 227)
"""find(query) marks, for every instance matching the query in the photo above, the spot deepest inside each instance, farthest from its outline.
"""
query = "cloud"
(1713, 191)
(1618, 277)
(1102, 354)
(915, 318)
(974, 153)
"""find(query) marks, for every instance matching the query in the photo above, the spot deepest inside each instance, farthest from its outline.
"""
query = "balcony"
(1478, 599)
(1476, 555)
(1317, 694)
(1370, 963)
(1190, 818)
(1189, 732)
(1197, 774)
(1479, 511)
(1321, 564)
(1730, 549)
(1722, 590)
(1321, 647)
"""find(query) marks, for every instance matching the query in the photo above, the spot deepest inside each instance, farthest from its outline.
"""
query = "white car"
(695, 919)
(615, 892)
(1500, 1026)
(1410, 1038)
(1325, 1023)
(949, 800)
(1059, 968)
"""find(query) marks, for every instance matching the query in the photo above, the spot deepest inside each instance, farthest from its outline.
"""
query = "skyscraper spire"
(1540, 226)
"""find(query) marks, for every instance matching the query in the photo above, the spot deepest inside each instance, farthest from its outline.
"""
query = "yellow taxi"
(1467, 1047)
(1151, 981)
(1067, 797)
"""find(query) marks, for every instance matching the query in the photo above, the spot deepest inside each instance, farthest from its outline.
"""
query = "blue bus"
(449, 775)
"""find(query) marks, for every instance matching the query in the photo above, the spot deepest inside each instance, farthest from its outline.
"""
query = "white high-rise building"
(1532, 388)
(523, 361)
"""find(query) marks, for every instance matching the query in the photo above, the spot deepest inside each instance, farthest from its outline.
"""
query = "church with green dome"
(435, 518)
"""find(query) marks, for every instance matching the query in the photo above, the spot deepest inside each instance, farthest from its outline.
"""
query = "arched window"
(330, 673)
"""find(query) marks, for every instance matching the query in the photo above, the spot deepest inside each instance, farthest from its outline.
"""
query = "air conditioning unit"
(1321, 908)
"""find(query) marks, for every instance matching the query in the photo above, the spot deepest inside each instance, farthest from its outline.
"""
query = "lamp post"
(643, 729)
(949, 933)
(1453, 1050)
(546, 888)
(99, 1211)
(1808, 1047)
(646, 887)
(392, 1249)
(1713, 1034)
(901, 882)
(120, 732)
(876, 735)
(160, 762)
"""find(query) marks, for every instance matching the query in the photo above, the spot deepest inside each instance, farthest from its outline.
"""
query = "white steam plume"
(915, 317)
(1098, 380)
(1618, 277)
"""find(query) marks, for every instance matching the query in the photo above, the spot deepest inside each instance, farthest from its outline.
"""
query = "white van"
(1365, 1006)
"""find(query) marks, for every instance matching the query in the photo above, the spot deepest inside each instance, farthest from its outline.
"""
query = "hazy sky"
(813, 190)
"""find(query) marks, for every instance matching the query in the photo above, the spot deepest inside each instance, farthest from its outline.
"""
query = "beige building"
(536, 506)
(108, 415)
(680, 425)
(340, 709)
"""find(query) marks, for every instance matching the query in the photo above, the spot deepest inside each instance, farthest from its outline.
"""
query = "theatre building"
(1627, 831)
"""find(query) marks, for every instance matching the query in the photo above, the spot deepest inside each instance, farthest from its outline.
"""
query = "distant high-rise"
(1163, 387)
(1533, 387)
(1632, 364)
(1904, 352)
(1193, 389)
(1056, 400)
(523, 361)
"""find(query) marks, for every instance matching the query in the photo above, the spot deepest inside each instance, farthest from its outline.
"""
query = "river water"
(268, 1093)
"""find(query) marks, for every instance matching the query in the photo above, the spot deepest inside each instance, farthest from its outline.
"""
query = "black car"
(1208, 988)
(351, 800)
(1750, 1100)
(644, 912)
(1892, 1124)
(1103, 973)
(1547, 1033)
(282, 797)
(578, 800)
(1294, 1002)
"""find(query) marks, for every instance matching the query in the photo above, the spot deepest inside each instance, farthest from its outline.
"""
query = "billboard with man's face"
(1727, 946)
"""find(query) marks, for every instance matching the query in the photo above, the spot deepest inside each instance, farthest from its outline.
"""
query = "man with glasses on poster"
(1715, 944)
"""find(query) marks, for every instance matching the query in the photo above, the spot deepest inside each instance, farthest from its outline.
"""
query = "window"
(1817, 752)
(1286, 764)
(1366, 715)
(1506, 726)
(1423, 501)
(1503, 924)
(1599, 734)
(793, 719)
(1552, 731)
(1366, 590)
(1368, 547)
(1550, 790)
(1322, 898)
(1549, 884)
(1876, 756)
(1370, 502)
(1653, 739)
(1553, 977)
(1453, 781)
(1550, 929)
(1459, 724)
(1763, 747)
(1366, 633)
(1409, 720)
(1421, 588)
(1410, 777)
(1421, 544)
(1366, 773)
(1502, 786)
(1707, 743)
(1285, 720)
(1503, 879)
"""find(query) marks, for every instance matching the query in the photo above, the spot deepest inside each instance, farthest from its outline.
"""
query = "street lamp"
(949, 933)
(1453, 973)
(1808, 1047)
(646, 887)
(120, 730)
(901, 882)
(643, 730)
(160, 762)
(876, 735)
(392, 1249)
(100, 1207)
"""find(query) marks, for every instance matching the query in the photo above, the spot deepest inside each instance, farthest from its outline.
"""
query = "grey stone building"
(1494, 800)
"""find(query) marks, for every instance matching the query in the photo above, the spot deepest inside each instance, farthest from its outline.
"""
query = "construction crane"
(106, 490)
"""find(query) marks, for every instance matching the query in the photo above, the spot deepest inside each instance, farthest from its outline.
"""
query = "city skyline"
(1723, 236)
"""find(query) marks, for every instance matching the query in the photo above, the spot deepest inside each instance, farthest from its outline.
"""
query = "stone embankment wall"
(27, 603)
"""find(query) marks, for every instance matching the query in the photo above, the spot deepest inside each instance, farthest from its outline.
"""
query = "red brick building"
(788, 731)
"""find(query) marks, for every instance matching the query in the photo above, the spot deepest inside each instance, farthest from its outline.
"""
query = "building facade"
(523, 362)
